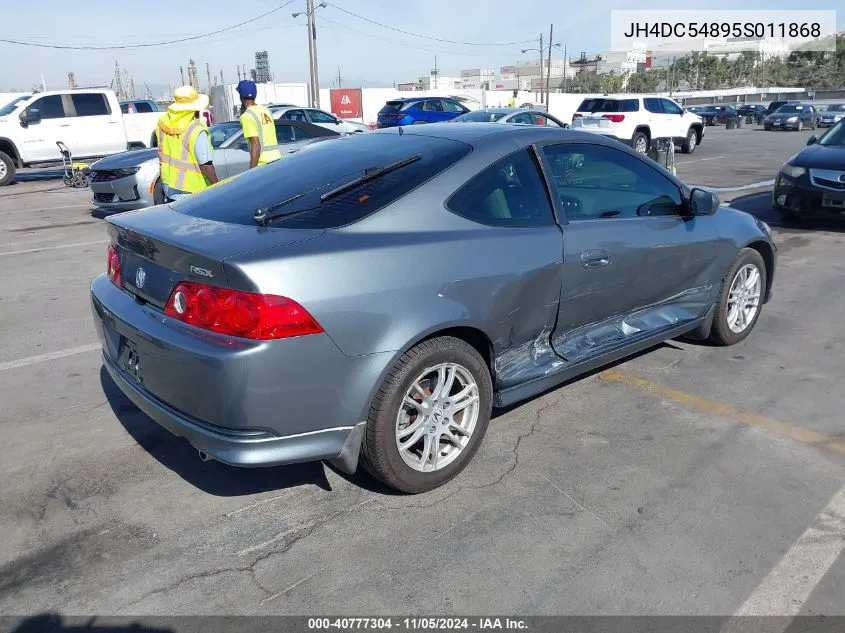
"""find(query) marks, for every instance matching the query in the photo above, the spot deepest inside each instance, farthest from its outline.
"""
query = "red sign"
(346, 103)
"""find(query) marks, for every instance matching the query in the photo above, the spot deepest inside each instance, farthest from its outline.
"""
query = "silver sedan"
(519, 116)
(130, 180)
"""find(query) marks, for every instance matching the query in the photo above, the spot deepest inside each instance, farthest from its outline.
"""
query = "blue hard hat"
(247, 89)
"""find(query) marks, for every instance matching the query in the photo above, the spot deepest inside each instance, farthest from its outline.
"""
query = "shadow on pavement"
(760, 205)
(212, 477)
(39, 175)
(53, 623)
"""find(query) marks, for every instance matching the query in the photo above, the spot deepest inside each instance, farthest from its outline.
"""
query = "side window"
(509, 193)
(547, 121)
(432, 105)
(451, 106)
(295, 115)
(318, 116)
(90, 104)
(50, 107)
(670, 107)
(595, 182)
(124, 107)
(524, 118)
(653, 105)
(284, 133)
(143, 107)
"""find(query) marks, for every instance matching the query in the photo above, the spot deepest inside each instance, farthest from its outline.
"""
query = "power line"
(426, 37)
(404, 44)
(147, 44)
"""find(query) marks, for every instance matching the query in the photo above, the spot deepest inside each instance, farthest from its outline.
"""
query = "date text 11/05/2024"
(416, 624)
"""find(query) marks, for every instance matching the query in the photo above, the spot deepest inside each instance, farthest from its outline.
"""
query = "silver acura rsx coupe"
(370, 300)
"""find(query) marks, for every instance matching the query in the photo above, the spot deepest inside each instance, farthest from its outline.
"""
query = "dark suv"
(414, 110)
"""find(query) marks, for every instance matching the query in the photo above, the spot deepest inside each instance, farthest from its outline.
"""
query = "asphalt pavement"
(688, 480)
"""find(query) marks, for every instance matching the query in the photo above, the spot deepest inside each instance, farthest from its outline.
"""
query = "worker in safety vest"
(512, 101)
(184, 147)
(258, 125)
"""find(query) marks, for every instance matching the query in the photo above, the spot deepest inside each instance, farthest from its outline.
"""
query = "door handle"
(595, 259)
(64, 124)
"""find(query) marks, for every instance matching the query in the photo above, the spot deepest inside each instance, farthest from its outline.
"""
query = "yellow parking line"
(710, 407)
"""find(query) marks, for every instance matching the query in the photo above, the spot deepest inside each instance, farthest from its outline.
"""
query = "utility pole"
(565, 64)
(208, 74)
(549, 63)
(182, 75)
(312, 46)
(339, 78)
(541, 68)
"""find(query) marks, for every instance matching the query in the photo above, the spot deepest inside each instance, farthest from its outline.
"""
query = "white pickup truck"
(88, 121)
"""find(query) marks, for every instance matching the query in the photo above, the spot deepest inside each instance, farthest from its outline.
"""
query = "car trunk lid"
(159, 247)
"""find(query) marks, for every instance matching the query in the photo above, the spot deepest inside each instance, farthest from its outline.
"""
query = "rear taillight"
(236, 313)
(576, 116)
(113, 265)
(616, 118)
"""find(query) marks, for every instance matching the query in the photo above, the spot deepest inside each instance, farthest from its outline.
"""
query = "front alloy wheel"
(740, 299)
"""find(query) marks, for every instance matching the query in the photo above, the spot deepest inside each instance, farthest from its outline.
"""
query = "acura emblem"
(140, 276)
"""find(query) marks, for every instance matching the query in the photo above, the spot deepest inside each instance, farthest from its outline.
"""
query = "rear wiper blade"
(371, 174)
(263, 215)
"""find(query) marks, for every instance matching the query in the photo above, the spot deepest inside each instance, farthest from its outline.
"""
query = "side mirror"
(337, 121)
(30, 116)
(703, 202)
(812, 139)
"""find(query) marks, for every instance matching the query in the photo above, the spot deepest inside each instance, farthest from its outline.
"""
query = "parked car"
(812, 183)
(318, 117)
(636, 121)
(748, 109)
(88, 121)
(510, 115)
(831, 115)
(415, 110)
(714, 114)
(373, 297)
(131, 180)
(792, 116)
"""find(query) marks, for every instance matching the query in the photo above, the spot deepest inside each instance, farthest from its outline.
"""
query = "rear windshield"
(790, 108)
(303, 177)
(394, 106)
(481, 116)
(836, 107)
(609, 105)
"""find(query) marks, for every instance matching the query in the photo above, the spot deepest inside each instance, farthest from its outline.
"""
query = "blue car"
(413, 110)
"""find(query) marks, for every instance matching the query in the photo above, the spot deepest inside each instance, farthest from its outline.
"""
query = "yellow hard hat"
(186, 99)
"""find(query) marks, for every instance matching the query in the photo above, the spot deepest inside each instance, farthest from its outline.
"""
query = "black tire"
(158, 193)
(9, 171)
(721, 334)
(800, 126)
(690, 142)
(380, 454)
(635, 141)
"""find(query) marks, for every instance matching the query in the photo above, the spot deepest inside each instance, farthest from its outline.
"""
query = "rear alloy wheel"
(740, 300)
(800, 126)
(7, 169)
(640, 143)
(429, 417)
(690, 142)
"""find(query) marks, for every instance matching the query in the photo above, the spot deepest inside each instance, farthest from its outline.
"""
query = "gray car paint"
(382, 284)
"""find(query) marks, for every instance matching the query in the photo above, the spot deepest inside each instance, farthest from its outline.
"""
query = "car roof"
(420, 99)
(522, 134)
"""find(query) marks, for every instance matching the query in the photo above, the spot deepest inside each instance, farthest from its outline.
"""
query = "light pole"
(312, 51)
(540, 50)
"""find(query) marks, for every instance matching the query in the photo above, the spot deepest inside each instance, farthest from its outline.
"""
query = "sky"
(363, 51)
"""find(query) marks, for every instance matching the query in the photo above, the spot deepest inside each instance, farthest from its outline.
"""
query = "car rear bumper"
(123, 194)
(242, 402)
(804, 199)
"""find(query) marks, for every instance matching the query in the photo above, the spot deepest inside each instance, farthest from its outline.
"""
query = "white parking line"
(698, 160)
(32, 360)
(785, 590)
(52, 248)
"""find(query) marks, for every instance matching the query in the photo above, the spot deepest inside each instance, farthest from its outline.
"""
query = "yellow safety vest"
(179, 167)
(263, 119)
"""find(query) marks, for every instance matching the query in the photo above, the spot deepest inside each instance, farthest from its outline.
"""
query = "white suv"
(636, 121)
